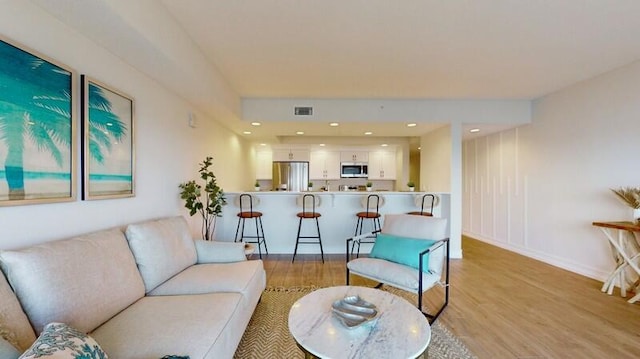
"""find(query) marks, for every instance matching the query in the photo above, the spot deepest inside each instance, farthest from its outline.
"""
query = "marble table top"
(400, 331)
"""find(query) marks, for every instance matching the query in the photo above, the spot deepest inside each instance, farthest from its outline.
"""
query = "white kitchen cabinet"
(290, 155)
(324, 165)
(382, 165)
(263, 165)
(354, 156)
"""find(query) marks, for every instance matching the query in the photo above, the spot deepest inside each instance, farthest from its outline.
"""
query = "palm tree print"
(35, 112)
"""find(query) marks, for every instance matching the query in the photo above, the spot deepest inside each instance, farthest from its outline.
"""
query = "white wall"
(537, 189)
(167, 149)
(440, 171)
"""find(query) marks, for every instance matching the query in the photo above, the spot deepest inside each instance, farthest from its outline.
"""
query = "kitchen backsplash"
(334, 185)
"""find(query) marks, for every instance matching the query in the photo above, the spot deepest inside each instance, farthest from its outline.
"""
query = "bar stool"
(373, 201)
(308, 200)
(246, 201)
(422, 212)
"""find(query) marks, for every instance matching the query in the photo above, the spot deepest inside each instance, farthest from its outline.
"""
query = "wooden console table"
(626, 252)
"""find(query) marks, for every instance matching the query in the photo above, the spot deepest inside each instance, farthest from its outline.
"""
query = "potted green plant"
(257, 186)
(369, 185)
(411, 186)
(310, 186)
(208, 204)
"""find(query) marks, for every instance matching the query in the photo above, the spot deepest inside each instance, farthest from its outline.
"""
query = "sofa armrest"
(219, 252)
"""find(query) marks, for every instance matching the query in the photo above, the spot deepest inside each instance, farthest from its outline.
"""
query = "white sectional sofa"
(147, 292)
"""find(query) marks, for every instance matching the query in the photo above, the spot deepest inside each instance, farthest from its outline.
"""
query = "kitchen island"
(338, 221)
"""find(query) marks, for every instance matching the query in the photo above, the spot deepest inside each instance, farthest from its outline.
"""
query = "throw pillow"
(60, 341)
(402, 250)
(7, 350)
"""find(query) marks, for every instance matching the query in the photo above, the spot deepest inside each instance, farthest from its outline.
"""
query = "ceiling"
(366, 49)
(496, 49)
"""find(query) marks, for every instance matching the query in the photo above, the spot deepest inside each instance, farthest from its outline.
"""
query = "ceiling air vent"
(303, 111)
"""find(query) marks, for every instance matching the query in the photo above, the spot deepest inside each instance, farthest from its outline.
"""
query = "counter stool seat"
(368, 215)
(308, 215)
(308, 200)
(253, 214)
(420, 213)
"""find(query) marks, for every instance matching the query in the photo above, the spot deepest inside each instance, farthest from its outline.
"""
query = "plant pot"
(411, 189)
(257, 189)
(310, 189)
(369, 189)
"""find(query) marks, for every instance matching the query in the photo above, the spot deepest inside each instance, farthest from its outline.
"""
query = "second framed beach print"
(108, 158)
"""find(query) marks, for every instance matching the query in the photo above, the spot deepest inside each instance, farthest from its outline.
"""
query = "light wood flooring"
(504, 305)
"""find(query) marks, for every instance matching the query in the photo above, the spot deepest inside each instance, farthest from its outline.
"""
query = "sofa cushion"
(162, 248)
(219, 252)
(7, 350)
(247, 277)
(400, 275)
(199, 326)
(407, 225)
(60, 341)
(82, 281)
(14, 325)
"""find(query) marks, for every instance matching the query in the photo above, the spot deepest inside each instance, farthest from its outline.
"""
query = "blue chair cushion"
(402, 250)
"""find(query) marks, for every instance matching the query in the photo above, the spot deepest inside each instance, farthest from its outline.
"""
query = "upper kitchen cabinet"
(354, 156)
(324, 165)
(290, 155)
(263, 165)
(382, 165)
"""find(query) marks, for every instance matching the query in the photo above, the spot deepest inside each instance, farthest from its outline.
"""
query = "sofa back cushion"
(82, 281)
(162, 248)
(14, 325)
(423, 227)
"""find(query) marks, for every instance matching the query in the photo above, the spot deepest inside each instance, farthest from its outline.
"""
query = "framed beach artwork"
(37, 128)
(107, 142)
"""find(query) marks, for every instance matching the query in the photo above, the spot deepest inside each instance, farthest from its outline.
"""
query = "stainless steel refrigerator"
(290, 176)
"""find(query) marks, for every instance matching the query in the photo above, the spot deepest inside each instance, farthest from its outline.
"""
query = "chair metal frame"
(308, 215)
(443, 242)
(259, 237)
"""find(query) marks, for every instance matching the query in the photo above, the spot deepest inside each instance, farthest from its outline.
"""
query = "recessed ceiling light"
(334, 124)
(419, 148)
(474, 130)
(255, 124)
(368, 133)
(322, 145)
(300, 133)
(263, 144)
(411, 125)
(384, 145)
(247, 132)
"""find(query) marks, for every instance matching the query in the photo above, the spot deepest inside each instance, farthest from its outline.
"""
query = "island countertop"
(337, 223)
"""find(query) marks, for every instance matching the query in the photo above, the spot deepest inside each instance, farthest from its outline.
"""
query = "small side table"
(626, 252)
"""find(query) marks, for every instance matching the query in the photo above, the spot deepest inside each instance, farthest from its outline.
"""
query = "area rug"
(267, 335)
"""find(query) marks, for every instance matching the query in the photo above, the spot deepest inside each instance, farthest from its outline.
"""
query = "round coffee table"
(400, 331)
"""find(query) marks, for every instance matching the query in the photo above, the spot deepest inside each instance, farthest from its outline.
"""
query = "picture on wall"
(37, 128)
(107, 142)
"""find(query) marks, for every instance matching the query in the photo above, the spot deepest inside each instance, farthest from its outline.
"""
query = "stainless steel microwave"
(353, 170)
